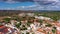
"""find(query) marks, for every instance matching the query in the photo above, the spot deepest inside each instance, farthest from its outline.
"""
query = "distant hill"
(15, 12)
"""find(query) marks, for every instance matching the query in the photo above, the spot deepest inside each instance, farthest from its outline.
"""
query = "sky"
(29, 5)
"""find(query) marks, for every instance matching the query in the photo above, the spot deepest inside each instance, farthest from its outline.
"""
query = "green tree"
(55, 18)
(54, 30)
(18, 25)
(27, 33)
(40, 21)
(23, 27)
(7, 19)
(48, 25)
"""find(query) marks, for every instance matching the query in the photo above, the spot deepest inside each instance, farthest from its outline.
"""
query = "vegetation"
(23, 27)
(54, 30)
(18, 25)
(55, 15)
(27, 33)
(48, 33)
(40, 21)
(48, 25)
(7, 19)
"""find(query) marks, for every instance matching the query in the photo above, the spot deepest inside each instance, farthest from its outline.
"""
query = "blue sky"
(28, 6)
(14, 5)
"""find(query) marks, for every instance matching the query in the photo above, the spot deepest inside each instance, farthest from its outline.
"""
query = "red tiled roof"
(2, 26)
(4, 29)
(58, 32)
(58, 24)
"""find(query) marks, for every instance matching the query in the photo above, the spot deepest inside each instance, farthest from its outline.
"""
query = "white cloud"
(34, 7)
(11, 1)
